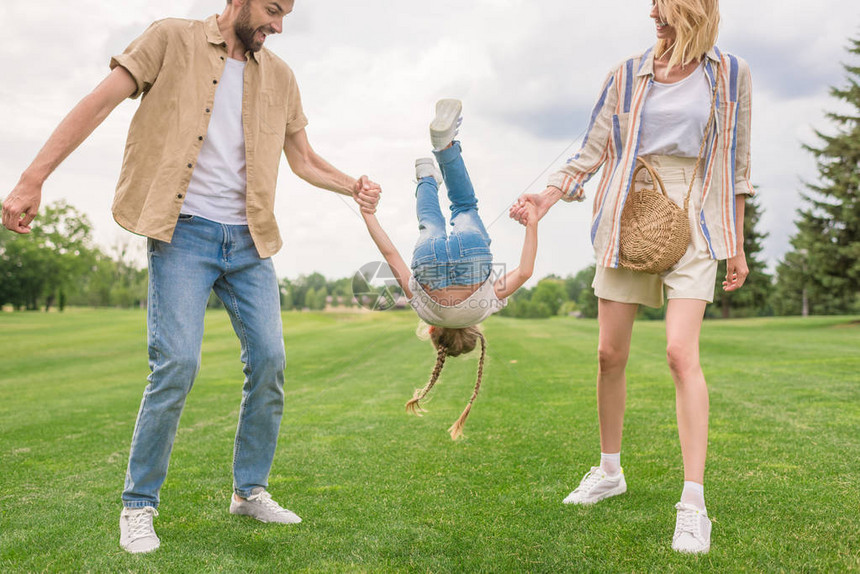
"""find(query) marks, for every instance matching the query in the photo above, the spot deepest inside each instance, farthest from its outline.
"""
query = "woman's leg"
(616, 328)
(683, 325)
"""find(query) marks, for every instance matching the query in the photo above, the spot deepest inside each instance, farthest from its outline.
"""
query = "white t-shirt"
(217, 188)
(473, 310)
(675, 115)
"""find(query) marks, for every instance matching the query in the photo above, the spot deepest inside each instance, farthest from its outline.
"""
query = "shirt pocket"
(273, 115)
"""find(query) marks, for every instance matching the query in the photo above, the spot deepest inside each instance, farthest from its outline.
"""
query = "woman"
(659, 104)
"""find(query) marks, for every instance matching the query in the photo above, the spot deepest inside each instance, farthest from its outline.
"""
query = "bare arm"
(388, 251)
(312, 168)
(513, 280)
(21, 206)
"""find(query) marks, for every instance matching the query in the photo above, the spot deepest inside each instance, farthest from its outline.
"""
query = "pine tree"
(822, 274)
(753, 299)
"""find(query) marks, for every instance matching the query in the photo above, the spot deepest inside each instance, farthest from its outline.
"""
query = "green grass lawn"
(381, 491)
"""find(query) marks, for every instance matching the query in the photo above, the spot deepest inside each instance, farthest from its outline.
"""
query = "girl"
(451, 284)
(685, 105)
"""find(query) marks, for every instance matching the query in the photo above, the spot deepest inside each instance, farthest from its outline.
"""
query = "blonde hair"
(451, 343)
(696, 24)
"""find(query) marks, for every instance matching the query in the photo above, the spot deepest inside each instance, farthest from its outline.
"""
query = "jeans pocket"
(185, 217)
(474, 244)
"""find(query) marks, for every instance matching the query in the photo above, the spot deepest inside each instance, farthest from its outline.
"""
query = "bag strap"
(704, 141)
(655, 177)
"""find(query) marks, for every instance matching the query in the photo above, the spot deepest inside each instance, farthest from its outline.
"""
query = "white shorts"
(693, 276)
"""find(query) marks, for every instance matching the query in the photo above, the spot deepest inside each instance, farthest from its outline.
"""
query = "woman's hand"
(736, 272)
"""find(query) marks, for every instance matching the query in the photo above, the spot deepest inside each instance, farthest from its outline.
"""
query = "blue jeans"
(204, 255)
(462, 257)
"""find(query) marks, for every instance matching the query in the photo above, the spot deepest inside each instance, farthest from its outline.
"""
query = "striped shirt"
(612, 142)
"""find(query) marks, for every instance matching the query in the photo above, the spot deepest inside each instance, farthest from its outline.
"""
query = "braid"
(412, 406)
(456, 429)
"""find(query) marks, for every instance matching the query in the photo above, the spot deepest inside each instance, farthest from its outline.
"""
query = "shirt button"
(207, 110)
(200, 138)
(214, 81)
(190, 166)
(178, 196)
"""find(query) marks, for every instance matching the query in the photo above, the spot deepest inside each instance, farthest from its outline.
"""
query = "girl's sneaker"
(444, 126)
(692, 530)
(426, 167)
(595, 486)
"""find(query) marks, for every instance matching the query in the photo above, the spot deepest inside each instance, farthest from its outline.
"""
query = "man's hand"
(736, 272)
(366, 194)
(20, 208)
(541, 202)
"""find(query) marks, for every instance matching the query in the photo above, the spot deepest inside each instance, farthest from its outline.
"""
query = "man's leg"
(249, 290)
(250, 294)
(181, 274)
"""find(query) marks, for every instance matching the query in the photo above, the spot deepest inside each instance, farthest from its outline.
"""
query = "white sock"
(694, 493)
(610, 463)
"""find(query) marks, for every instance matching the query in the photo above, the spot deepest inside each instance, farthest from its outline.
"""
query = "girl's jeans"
(202, 256)
(462, 257)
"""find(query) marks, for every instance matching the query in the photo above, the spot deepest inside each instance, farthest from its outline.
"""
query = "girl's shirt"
(471, 311)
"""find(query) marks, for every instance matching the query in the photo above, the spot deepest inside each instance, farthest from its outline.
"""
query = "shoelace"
(140, 523)
(591, 478)
(688, 522)
(266, 500)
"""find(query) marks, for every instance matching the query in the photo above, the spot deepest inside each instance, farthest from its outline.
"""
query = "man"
(198, 180)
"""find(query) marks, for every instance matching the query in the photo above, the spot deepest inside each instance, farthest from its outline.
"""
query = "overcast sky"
(528, 73)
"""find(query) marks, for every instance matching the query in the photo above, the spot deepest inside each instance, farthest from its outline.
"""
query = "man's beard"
(243, 30)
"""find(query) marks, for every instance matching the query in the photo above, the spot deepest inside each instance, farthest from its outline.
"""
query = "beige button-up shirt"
(176, 65)
(612, 142)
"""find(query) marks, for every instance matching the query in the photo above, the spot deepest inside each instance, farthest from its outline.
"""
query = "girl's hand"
(531, 213)
(366, 194)
(541, 201)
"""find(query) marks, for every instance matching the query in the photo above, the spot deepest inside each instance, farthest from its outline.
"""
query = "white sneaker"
(426, 167)
(444, 126)
(597, 485)
(692, 530)
(136, 533)
(261, 506)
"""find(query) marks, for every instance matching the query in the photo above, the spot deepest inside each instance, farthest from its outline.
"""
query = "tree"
(822, 273)
(50, 262)
(753, 299)
(551, 293)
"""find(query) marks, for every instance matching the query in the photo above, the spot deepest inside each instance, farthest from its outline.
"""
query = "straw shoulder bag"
(655, 232)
